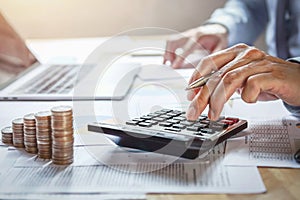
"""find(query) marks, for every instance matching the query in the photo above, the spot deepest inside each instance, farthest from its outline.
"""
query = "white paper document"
(269, 143)
(76, 196)
(175, 178)
(137, 172)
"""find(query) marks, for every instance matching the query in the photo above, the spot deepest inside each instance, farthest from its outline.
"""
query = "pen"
(200, 82)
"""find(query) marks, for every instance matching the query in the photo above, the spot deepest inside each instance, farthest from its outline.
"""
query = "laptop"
(68, 82)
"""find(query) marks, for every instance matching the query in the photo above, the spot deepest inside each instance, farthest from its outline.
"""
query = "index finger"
(171, 45)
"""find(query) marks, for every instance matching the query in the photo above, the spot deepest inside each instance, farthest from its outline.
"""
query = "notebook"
(67, 82)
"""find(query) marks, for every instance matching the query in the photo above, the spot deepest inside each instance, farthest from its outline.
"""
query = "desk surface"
(281, 183)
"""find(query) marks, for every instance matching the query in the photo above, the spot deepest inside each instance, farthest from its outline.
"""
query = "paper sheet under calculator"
(145, 173)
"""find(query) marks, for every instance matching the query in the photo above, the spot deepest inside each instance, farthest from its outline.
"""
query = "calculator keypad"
(175, 121)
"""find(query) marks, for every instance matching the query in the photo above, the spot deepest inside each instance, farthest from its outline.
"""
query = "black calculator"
(168, 131)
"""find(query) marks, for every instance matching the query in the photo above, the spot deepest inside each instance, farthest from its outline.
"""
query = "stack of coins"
(43, 134)
(62, 135)
(30, 140)
(18, 132)
(7, 135)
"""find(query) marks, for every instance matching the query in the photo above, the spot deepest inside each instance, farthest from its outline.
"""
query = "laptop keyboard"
(58, 79)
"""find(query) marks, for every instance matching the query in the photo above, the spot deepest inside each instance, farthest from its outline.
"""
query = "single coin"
(18, 121)
(29, 117)
(7, 130)
(43, 115)
(59, 109)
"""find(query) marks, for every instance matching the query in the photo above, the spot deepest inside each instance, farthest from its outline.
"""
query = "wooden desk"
(281, 183)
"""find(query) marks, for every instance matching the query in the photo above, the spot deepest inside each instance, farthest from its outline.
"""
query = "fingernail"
(211, 114)
(177, 63)
(175, 66)
(191, 112)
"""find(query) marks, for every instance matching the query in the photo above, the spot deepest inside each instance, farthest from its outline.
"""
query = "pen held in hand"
(200, 82)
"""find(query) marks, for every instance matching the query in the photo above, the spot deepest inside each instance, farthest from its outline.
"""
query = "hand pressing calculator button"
(168, 132)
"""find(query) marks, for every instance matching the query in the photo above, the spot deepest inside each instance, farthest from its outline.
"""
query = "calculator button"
(172, 114)
(146, 117)
(145, 124)
(138, 120)
(183, 115)
(153, 115)
(187, 123)
(166, 110)
(166, 116)
(173, 121)
(224, 125)
(180, 126)
(200, 125)
(152, 122)
(159, 112)
(235, 120)
(202, 117)
(165, 124)
(228, 122)
(131, 122)
(207, 131)
(179, 118)
(158, 119)
(193, 128)
(173, 129)
(178, 111)
(205, 122)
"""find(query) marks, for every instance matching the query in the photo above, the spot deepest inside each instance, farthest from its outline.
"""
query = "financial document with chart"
(272, 143)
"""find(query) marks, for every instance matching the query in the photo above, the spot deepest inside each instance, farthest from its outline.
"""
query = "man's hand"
(14, 54)
(210, 37)
(256, 75)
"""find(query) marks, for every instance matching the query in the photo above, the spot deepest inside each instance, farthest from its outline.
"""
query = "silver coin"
(7, 130)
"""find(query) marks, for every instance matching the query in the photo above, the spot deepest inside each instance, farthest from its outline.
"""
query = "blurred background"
(96, 18)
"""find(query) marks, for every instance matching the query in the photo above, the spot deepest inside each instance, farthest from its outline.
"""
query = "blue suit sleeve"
(244, 19)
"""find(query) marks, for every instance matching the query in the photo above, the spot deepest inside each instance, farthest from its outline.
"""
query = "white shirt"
(247, 19)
